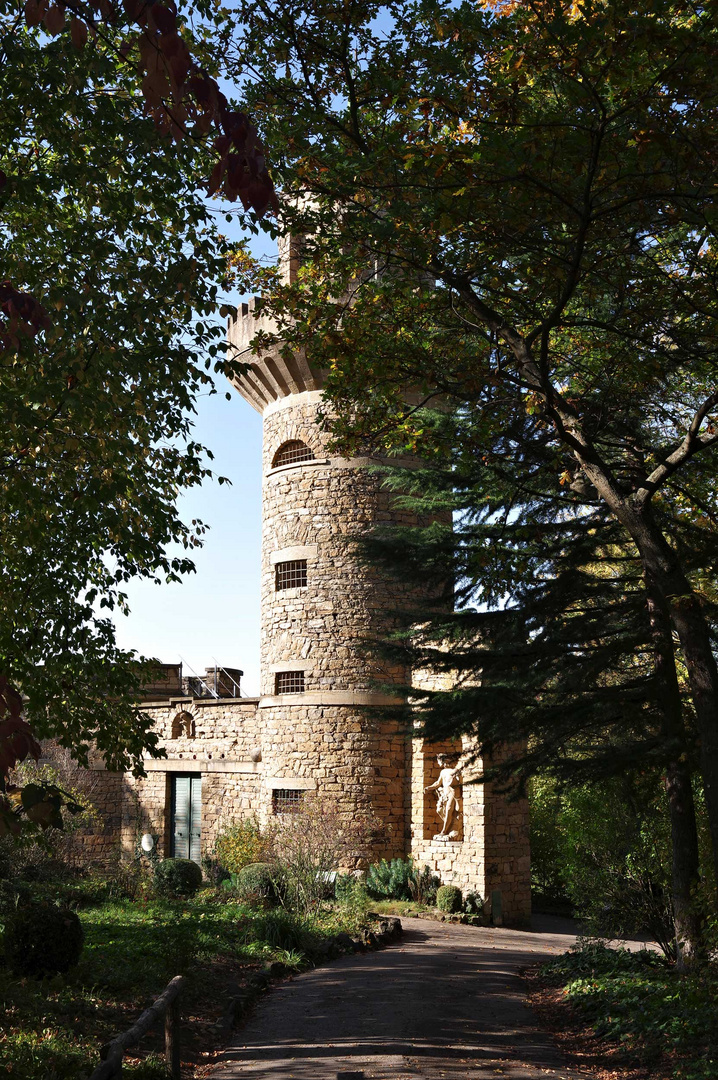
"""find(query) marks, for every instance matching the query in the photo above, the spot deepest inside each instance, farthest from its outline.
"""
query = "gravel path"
(445, 1003)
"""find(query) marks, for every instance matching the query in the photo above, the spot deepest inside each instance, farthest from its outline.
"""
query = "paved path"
(445, 1003)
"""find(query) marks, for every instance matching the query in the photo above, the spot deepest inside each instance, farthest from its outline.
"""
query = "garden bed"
(409, 909)
(629, 1015)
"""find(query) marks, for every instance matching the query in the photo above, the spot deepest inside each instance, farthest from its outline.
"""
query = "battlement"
(271, 375)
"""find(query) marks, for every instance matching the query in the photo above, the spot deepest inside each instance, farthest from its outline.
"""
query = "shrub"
(448, 898)
(241, 844)
(474, 904)
(177, 877)
(614, 868)
(423, 885)
(214, 873)
(348, 888)
(309, 845)
(256, 881)
(42, 939)
(390, 880)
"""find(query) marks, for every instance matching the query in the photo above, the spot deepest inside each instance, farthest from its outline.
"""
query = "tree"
(104, 350)
(547, 637)
(518, 205)
(615, 867)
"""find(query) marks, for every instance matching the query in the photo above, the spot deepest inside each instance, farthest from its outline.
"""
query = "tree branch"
(692, 444)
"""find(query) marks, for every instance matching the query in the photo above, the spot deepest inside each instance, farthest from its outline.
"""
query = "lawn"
(53, 1029)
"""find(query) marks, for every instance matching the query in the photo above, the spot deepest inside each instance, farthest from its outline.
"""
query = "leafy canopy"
(101, 220)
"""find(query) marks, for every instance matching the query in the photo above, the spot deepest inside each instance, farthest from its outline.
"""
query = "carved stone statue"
(447, 801)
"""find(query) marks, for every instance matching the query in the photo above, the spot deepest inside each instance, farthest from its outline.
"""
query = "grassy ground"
(399, 907)
(53, 1029)
(640, 1018)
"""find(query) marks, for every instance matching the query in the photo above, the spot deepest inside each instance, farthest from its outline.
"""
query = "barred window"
(289, 453)
(291, 575)
(289, 682)
(286, 800)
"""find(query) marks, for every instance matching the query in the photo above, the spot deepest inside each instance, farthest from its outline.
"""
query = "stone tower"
(321, 723)
(319, 711)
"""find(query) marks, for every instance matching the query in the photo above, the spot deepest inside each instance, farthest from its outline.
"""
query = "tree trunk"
(660, 562)
(685, 864)
(677, 596)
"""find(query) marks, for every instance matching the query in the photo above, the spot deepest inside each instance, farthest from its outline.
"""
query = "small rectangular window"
(291, 575)
(289, 682)
(286, 800)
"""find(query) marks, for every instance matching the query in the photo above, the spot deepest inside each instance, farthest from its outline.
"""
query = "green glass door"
(186, 816)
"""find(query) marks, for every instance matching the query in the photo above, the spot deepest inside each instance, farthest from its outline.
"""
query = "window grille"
(289, 682)
(286, 800)
(289, 453)
(291, 575)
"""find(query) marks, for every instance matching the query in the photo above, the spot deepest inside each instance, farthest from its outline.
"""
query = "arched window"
(183, 726)
(289, 453)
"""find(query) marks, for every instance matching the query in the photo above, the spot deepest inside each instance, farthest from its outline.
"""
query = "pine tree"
(559, 658)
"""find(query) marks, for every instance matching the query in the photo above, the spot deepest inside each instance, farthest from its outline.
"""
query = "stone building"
(319, 724)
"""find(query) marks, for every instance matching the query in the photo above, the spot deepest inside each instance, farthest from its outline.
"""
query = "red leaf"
(34, 10)
(55, 19)
(78, 33)
(164, 19)
(216, 178)
(136, 10)
(16, 738)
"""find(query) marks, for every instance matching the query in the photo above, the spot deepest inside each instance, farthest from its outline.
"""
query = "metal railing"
(167, 1005)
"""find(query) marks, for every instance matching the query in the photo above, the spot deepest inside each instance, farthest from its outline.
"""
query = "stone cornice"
(270, 375)
(329, 697)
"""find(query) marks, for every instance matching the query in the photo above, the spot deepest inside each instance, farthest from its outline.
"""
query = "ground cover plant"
(645, 1013)
(54, 1027)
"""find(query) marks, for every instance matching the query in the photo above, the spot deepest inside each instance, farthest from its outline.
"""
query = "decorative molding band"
(289, 554)
(296, 783)
(188, 765)
(311, 462)
(200, 703)
(329, 697)
(307, 397)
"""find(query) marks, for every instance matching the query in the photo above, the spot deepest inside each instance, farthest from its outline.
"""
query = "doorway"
(186, 822)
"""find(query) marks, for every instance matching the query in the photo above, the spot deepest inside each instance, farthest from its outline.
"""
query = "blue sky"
(214, 613)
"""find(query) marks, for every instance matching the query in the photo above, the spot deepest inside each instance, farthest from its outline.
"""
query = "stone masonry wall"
(324, 505)
(457, 862)
(491, 855)
(353, 757)
(339, 736)
(219, 739)
(508, 854)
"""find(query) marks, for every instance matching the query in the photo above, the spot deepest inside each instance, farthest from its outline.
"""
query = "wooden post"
(166, 1005)
(172, 1038)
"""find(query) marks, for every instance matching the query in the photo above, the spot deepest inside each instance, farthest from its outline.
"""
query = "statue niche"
(183, 726)
(448, 799)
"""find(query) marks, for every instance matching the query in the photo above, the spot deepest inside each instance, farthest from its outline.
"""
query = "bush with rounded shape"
(257, 880)
(448, 899)
(474, 904)
(177, 877)
(42, 939)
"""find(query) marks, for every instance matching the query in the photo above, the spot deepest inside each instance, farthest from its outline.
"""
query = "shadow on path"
(447, 1002)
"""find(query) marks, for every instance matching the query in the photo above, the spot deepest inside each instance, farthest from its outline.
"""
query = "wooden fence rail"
(167, 1005)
